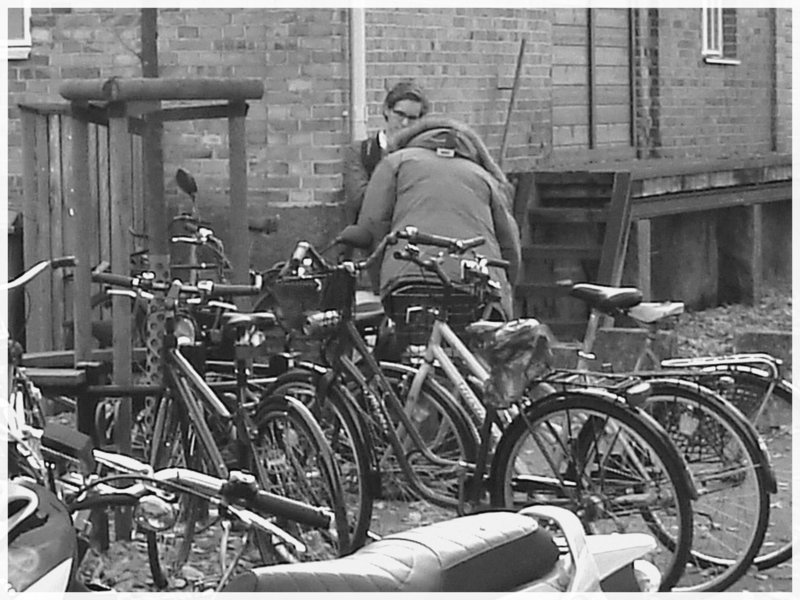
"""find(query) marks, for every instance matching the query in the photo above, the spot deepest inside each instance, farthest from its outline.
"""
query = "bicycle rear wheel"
(609, 463)
(731, 512)
(300, 465)
(771, 413)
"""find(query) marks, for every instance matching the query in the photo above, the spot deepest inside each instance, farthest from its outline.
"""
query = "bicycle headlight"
(154, 514)
(185, 331)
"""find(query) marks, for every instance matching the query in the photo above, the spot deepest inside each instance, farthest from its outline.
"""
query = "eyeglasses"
(402, 115)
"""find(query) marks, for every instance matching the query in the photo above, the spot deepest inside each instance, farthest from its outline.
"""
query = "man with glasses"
(405, 103)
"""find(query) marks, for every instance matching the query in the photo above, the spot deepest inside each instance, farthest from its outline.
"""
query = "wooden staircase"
(574, 227)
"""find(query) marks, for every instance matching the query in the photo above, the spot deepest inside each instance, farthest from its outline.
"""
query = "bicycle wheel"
(300, 465)
(771, 413)
(173, 445)
(333, 411)
(444, 430)
(609, 463)
(731, 512)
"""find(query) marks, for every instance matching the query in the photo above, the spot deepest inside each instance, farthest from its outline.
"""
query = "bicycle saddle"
(261, 320)
(369, 310)
(606, 298)
(491, 551)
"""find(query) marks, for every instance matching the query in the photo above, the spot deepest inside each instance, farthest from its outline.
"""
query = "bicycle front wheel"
(299, 464)
(334, 412)
(731, 512)
(607, 462)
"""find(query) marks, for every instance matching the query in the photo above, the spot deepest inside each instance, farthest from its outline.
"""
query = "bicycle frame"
(378, 407)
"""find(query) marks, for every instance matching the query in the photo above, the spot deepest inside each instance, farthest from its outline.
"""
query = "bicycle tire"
(775, 427)
(173, 446)
(444, 427)
(344, 434)
(300, 465)
(593, 495)
(720, 448)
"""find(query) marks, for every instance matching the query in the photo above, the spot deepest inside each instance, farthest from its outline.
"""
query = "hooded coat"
(454, 196)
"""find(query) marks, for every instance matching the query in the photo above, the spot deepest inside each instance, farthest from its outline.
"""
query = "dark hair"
(406, 90)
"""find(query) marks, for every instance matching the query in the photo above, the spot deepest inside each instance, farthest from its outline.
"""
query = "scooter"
(538, 549)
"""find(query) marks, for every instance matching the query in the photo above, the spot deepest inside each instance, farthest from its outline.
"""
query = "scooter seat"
(485, 552)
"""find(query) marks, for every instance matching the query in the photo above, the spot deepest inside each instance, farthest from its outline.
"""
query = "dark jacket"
(360, 160)
(452, 197)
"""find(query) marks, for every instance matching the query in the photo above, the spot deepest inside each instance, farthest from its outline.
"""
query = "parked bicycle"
(648, 489)
(195, 427)
(752, 382)
(720, 446)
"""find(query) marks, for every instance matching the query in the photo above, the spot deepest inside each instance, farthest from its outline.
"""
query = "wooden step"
(567, 215)
(543, 290)
(540, 251)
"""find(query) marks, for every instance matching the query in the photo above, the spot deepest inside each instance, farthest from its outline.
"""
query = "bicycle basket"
(412, 305)
(297, 297)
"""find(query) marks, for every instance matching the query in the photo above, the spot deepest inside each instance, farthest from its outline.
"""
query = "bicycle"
(720, 446)
(191, 420)
(752, 382)
(644, 451)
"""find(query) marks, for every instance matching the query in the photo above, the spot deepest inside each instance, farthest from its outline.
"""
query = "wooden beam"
(117, 89)
(710, 199)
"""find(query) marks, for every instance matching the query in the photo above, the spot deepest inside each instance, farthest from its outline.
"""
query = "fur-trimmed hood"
(478, 152)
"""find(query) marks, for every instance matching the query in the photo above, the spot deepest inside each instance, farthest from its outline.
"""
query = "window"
(19, 33)
(719, 34)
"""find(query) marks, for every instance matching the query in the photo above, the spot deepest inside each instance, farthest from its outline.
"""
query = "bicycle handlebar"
(203, 288)
(238, 488)
(37, 269)
(453, 245)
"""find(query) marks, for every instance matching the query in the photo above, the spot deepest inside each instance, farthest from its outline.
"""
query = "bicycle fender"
(748, 429)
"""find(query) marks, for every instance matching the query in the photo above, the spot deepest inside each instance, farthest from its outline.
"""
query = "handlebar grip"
(266, 502)
(464, 245)
(113, 279)
(418, 237)
(232, 289)
(300, 252)
(498, 262)
(64, 261)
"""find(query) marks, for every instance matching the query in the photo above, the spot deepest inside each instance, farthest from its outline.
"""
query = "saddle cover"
(491, 551)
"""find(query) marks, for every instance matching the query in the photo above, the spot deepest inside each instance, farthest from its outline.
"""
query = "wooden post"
(121, 202)
(30, 227)
(644, 246)
(82, 223)
(757, 252)
(41, 292)
(237, 222)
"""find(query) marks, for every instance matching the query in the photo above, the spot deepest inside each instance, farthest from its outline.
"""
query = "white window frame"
(20, 48)
(713, 38)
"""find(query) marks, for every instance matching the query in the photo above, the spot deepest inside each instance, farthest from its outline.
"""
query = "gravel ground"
(124, 567)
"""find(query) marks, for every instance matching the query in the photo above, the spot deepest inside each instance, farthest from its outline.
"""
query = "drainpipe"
(358, 74)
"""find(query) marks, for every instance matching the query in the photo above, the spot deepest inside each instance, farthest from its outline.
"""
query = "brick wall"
(711, 110)
(463, 57)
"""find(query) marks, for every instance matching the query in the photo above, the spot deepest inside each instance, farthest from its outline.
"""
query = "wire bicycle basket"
(413, 307)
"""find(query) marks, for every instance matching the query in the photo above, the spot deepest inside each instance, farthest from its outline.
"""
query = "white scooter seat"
(485, 552)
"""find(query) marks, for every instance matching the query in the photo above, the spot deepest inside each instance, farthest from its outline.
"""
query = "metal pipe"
(358, 74)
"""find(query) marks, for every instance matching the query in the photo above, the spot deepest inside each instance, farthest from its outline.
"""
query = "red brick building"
(600, 84)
